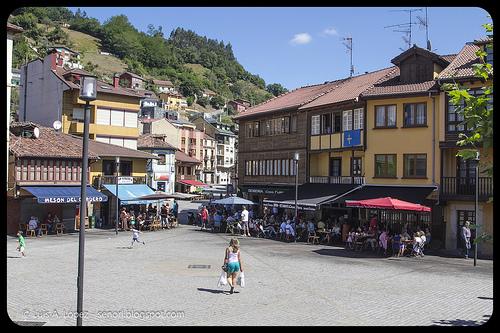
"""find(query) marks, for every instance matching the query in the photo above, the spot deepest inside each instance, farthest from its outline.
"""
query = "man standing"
(244, 220)
(466, 238)
(175, 208)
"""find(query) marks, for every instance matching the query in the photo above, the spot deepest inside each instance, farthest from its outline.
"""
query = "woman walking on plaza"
(232, 261)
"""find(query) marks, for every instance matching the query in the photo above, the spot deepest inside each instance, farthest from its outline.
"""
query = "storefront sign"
(162, 176)
(265, 191)
(125, 180)
(289, 206)
(68, 200)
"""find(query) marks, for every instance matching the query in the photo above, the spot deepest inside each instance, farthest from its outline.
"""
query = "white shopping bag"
(241, 280)
(222, 279)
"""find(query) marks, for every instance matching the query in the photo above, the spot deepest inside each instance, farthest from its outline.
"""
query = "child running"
(22, 244)
(135, 237)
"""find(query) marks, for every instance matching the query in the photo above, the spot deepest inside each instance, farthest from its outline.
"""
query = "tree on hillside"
(121, 38)
(58, 36)
(276, 89)
(203, 101)
(217, 102)
(190, 87)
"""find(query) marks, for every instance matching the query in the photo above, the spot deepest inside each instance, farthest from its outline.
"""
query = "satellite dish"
(36, 132)
(57, 125)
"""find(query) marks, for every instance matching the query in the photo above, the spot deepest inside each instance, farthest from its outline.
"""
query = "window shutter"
(130, 143)
(104, 139)
(116, 141)
(117, 118)
(103, 117)
(130, 119)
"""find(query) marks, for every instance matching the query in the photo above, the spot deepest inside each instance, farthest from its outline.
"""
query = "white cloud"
(302, 38)
(330, 31)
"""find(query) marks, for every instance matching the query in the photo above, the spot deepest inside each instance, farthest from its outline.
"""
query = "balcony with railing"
(462, 188)
(336, 180)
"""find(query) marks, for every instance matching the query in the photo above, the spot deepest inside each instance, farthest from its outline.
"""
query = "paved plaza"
(287, 283)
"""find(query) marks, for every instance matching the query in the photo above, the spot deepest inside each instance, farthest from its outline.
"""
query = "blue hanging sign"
(352, 138)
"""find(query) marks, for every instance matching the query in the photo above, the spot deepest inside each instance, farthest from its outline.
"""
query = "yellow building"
(113, 115)
(379, 131)
(173, 101)
(50, 93)
(458, 179)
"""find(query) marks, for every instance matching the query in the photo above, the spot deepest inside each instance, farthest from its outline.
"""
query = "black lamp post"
(296, 160)
(117, 160)
(88, 92)
(476, 162)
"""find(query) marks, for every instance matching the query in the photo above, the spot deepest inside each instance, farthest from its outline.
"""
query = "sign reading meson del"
(68, 199)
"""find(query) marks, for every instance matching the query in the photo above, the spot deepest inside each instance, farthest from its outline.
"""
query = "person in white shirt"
(244, 220)
(283, 227)
(135, 237)
(33, 225)
(289, 230)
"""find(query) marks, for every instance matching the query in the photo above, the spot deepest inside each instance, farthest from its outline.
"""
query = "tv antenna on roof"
(424, 22)
(405, 27)
(348, 44)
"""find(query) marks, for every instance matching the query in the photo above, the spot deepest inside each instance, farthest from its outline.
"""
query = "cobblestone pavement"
(287, 283)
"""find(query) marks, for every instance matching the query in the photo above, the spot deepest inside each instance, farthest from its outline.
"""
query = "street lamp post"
(88, 92)
(117, 160)
(296, 159)
(476, 207)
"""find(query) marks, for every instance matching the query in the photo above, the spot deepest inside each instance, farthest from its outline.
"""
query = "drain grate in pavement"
(30, 323)
(199, 266)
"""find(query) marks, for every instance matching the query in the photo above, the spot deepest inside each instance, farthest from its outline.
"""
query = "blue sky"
(303, 46)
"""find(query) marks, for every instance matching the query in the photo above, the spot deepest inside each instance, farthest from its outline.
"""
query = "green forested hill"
(191, 61)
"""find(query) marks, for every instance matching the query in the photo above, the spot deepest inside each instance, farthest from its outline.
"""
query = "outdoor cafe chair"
(313, 238)
(44, 229)
(59, 229)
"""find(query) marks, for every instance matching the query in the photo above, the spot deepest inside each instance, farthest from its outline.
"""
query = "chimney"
(53, 60)
(116, 80)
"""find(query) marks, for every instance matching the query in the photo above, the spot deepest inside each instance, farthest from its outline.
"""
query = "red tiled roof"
(449, 57)
(292, 99)
(351, 88)
(102, 87)
(133, 75)
(50, 144)
(182, 157)
(153, 141)
(163, 83)
(461, 66)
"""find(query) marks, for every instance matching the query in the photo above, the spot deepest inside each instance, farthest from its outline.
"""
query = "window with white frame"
(358, 118)
(347, 120)
(315, 125)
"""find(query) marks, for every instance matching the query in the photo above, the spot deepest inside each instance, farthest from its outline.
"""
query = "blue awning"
(128, 194)
(64, 194)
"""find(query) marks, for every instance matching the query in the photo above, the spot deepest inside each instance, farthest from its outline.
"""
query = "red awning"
(387, 203)
(192, 183)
